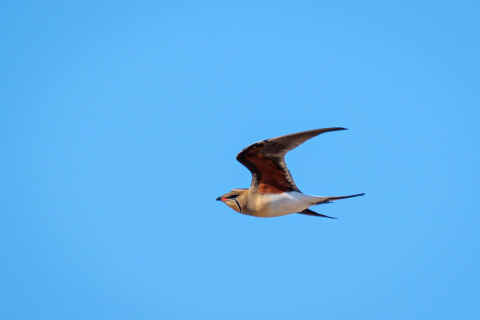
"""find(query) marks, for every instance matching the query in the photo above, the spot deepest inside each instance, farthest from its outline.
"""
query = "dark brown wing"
(266, 161)
(313, 213)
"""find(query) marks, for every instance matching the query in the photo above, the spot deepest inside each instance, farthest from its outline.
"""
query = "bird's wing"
(266, 161)
(313, 213)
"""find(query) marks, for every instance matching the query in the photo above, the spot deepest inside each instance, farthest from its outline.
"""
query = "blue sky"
(120, 123)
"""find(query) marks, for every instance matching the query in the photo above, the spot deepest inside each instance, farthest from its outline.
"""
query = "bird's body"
(273, 192)
(276, 205)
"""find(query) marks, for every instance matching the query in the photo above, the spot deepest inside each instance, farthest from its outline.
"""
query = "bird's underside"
(273, 191)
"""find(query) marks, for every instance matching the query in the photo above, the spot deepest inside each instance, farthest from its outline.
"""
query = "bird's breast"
(275, 205)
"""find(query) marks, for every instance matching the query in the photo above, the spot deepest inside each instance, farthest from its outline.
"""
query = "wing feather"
(266, 160)
(315, 214)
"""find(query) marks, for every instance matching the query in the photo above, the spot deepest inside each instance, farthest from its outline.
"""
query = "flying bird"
(273, 192)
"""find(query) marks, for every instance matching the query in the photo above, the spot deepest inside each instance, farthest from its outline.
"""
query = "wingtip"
(324, 216)
(338, 129)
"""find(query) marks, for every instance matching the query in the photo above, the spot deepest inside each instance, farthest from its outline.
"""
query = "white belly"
(275, 205)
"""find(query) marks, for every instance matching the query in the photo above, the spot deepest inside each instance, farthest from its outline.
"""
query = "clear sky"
(120, 123)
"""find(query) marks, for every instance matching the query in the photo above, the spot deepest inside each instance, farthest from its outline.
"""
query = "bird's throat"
(238, 205)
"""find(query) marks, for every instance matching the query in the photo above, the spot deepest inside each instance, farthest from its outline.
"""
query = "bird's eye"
(233, 197)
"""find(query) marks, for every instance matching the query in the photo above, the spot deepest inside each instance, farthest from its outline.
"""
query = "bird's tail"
(321, 200)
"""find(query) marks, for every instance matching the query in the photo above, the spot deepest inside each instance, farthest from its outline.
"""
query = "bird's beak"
(219, 199)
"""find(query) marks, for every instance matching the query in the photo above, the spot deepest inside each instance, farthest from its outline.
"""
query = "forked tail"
(320, 200)
(330, 199)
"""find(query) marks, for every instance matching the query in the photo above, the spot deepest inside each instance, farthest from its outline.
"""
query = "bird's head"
(234, 199)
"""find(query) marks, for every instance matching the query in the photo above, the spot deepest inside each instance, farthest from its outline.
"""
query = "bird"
(273, 192)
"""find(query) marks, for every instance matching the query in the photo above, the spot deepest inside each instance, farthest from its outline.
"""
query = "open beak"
(219, 199)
